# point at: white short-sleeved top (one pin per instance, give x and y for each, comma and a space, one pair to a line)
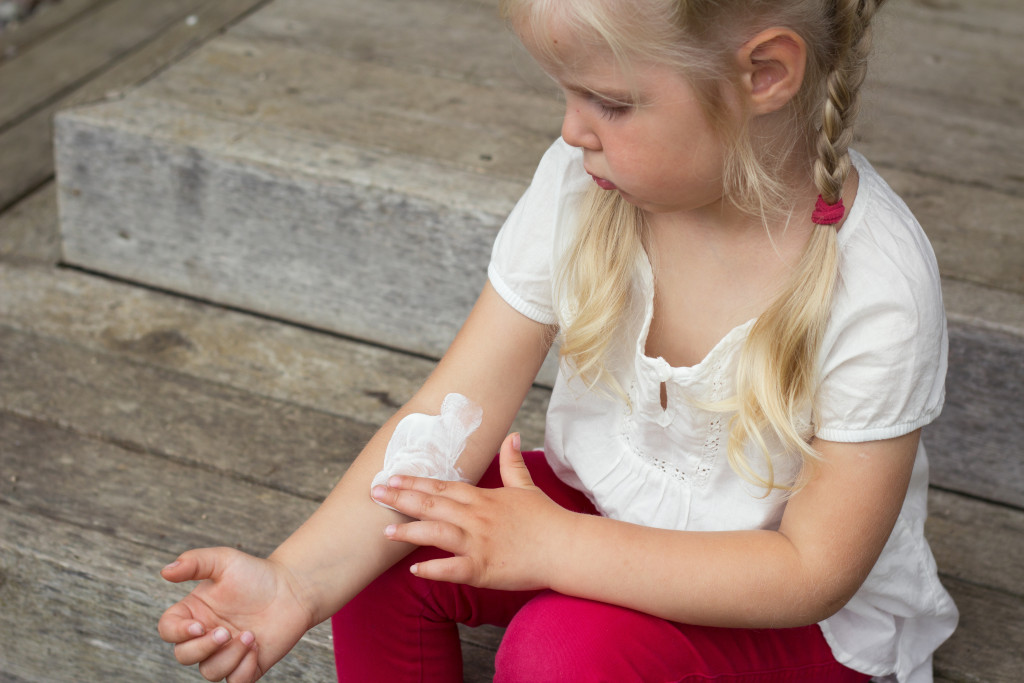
882, 369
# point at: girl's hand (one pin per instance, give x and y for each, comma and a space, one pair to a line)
504, 538
242, 618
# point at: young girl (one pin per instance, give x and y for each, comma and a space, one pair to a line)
733, 486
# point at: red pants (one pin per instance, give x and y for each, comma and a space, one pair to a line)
402, 628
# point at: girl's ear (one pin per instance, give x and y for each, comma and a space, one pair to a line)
772, 65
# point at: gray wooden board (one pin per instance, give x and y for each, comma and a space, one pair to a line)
29, 231
26, 148
48, 18
338, 256
94, 462
147, 409
987, 646
291, 364
976, 444
72, 54
977, 542
154, 505
81, 605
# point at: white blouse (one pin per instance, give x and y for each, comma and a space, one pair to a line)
882, 364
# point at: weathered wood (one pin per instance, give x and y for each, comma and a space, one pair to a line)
283, 446
298, 366
47, 18
70, 55
79, 605
987, 645
26, 148
156, 505
975, 445
148, 499
30, 231
977, 542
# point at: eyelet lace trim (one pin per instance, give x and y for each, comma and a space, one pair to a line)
660, 464
713, 442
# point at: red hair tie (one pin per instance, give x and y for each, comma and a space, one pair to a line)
828, 214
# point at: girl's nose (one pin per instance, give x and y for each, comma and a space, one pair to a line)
576, 130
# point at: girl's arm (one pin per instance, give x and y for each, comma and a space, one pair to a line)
493, 361
831, 534
248, 613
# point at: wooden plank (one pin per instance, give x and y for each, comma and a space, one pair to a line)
79, 605
283, 362
963, 60
70, 55
29, 231
149, 409
26, 148
148, 499
987, 645
975, 445
48, 18
977, 542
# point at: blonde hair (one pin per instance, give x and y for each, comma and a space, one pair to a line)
776, 378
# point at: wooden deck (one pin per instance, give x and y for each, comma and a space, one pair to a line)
135, 423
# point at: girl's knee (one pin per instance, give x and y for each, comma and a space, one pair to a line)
559, 638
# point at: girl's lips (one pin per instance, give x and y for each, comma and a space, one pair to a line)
602, 183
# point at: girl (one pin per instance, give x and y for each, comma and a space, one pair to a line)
752, 336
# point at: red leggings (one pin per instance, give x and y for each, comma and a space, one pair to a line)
403, 629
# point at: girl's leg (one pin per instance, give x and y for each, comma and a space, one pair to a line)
403, 628
558, 638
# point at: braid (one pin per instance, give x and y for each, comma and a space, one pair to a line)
852, 36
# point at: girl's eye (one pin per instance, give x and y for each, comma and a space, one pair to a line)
611, 109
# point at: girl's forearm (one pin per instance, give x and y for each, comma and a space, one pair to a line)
742, 579
340, 549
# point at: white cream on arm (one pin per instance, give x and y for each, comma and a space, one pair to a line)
430, 445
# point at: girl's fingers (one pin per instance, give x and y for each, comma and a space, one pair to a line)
436, 534
195, 565
458, 491
226, 660
177, 624
248, 669
415, 503
451, 569
202, 648
514, 472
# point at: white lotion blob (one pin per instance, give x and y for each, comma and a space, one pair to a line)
430, 445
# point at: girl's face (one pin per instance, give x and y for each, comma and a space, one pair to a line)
643, 133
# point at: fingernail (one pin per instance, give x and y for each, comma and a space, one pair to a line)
378, 492
414, 569
247, 638
196, 629
516, 441
221, 635
389, 530
395, 482
172, 565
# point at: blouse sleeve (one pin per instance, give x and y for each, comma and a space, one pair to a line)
527, 246
885, 349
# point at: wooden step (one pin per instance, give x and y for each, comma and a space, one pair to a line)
304, 167
345, 165
135, 424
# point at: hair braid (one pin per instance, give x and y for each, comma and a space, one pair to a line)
852, 38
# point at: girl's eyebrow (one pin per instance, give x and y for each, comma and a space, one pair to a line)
611, 95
